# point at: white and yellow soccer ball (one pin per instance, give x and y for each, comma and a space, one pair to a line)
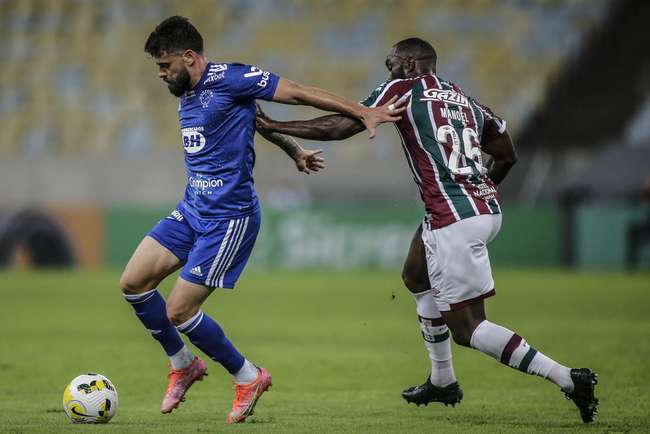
90, 398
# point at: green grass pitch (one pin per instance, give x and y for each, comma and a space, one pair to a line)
340, 346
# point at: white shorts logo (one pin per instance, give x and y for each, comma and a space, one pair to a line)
193, 139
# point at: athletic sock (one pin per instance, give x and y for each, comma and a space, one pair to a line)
205, 333
181, 359
436, 339
511, 349
247, 374
150, 308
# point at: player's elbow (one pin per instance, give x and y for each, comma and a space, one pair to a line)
338, 127
510, 154
510, 159
300, 95
506, 157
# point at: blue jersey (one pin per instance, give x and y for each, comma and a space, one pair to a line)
217, 121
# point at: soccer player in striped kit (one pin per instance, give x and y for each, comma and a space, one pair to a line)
444, 132
210, 234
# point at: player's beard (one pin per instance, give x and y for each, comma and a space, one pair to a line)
181, 85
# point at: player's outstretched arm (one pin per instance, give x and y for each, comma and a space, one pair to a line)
306, 160
326, 128
503, 153
289, 92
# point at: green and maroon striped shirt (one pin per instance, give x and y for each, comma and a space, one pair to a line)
442, 130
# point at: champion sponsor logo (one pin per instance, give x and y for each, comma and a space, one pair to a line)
215, 73
193, 139
446, 96
175, 215
205, 98
203, 184
196, 271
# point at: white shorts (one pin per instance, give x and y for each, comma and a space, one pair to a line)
457, 260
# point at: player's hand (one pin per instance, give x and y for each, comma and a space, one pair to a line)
310, 161
263, 123
389, 112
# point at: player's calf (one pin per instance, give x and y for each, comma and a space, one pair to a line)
150, 309
441, 386
512, 350
435, 335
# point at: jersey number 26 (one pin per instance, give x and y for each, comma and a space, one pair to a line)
469, 150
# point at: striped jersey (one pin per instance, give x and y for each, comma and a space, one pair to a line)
442, 130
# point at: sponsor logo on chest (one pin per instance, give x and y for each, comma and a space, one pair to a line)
445, 96
193, 139
204, 185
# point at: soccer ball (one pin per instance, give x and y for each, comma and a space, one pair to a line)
90, 398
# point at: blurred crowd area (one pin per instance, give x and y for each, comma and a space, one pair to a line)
91, 156
75, 80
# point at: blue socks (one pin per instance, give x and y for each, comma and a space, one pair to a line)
151, 310
206, 334
202, 330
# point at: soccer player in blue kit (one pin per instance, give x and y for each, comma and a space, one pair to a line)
212, 231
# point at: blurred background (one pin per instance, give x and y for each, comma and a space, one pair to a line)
91, 158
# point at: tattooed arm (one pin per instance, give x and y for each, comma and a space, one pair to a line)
306, 160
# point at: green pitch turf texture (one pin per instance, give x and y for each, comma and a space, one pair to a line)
340, 346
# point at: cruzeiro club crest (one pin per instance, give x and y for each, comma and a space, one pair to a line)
205, 98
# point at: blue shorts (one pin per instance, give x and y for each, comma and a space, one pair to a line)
214, 252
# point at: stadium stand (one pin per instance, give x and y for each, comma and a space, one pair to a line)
81, 107
77, 82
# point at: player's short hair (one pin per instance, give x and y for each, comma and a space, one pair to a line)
173, 35
417, 48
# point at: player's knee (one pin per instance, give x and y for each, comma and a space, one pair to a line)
462, 333
461, 336
179, 314
127, 285
413, 283
131, 285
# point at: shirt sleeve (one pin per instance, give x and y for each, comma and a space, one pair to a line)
384, 93
493, 125
251, 82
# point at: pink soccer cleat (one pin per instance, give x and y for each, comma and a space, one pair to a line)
246, 396
180, 380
